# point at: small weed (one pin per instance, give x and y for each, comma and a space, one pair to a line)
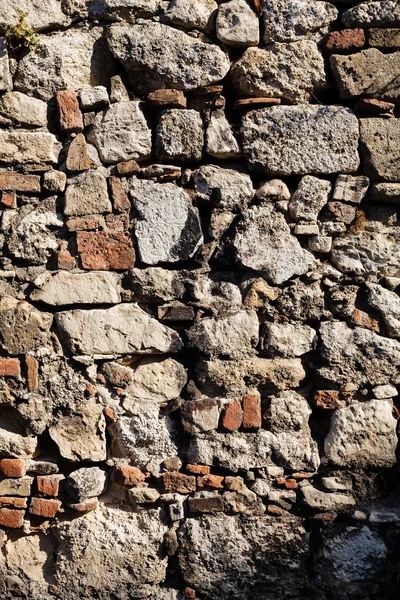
21, 35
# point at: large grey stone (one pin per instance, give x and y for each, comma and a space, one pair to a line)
300, 140
226, 189
293, 71
368, 252
388, 304
73, 59
146, 378
385, 13
237, 24
119, 10
288, 339
5, 75
23, 328
42, 14
325, 501
88, 195
122, 329
264, 243
380, 148
66, 288
179, 135
168, 227
289, 20
85, 483
121, 133
20, 109
363, 435
191, 14
20, 147
157, 56
15, 444
309, 199
369, 73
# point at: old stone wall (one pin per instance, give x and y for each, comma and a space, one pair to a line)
199, 299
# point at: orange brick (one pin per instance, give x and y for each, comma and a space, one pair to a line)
251, 412
13, 502
198, 469
32, 373
69, 113
129, 476
44, 508
232, 417
210, 481
48, 485
11, 518
16, 182
9, 199
10, 367
12, 467
178, 482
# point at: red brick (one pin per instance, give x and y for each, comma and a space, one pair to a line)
86, 505
331, 399
166, 97
251, 412
198, 469
48, 485
214, 482
344, 42
189, 593
119, 196
11, 518
178, 482
233, 416
13, 502
9, 199
253, 103
15, 182
10, 367
370, 107
118, 222
12, 467
43, 507
77, 156
129, 476
69, 113
363, 319
32, 373
91, 223
105, 251
127, 168
65, 260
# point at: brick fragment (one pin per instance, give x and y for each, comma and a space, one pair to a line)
189, 593
105, 251
363, 319
128, 476
118, 222
10, 367
331, 399
49, 485
32, 373
127, 168
11, 518
43, 507
175, 313
370, 107
214, 482
119, 196
85, 506
198, 469
178, 482
16, 182
77, 156
253, 103
340, 212
344, 42
210, 504
12, 467
166, 97
251, 412
233, 416
88, 223
64, 258
13, 502
9, 199
69, 113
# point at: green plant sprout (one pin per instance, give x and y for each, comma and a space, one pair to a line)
21, 35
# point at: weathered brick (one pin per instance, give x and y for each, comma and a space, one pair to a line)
13, 502
8, 199
331, 399
341, 213
251, 412
178, 482
166, 97
233, 416
119, 196
10, 367
77, 156
44, 508
16, 182
32, 373
85, 506
363, 319
89, 223
214, 482
49, 485
189, 593
11, 518
104, 251
12, 467
127, 168
344, 42
129, 476
69, 113
65, 260
198, 469
210, 504
370, 107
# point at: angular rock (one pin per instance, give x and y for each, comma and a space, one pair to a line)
234, 337
264, 243
167, 98
288, 140
385, 192
41, 15
105, 250
289, 20
309, 199
157, 56
344, 42
156, 284
384, 13
16, 487
191, 14
388, 304
350, 189
287, 339
168, 228
80, 435
77, 157
5, 75
65, 288
143, 496
367, 253
362, 435
14, 444
94, 99
87, 196
237, 24
293, 71
220, 140
384, 39
226, 189
69, 114
85, 483
356, 357
23, 328
54, 181
21, 147
19, 109
179, 135
380, 149
368, 73
122, 329
146, 378
72, 59
323, 501
121, 133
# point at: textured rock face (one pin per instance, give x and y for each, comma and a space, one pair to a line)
311, 140
380, 149
72, 288
28, 147
289, 20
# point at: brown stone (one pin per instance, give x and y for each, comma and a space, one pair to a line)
32, 373
12, 467
64, 258
85, 506
77, 156
253, 103
206, 103
128, 476
173, 313
10, 367
208, 90
339, 212
210, 504
13, 502
189, 593
363, 319
9, 199
344, 42
11, 518
69, 113
118, 222
90, 223
119, 196
170, 98
384, 39
233, 416
16, 182
44, 508
325, 517
331, 399
105, 251
257, 5
109, 413
275, 510
369, 107
251, 412
198, 469
128, 168
178, 482
48, 485
214, 482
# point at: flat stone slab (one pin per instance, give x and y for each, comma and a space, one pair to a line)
380, 148
300, 140
21, 146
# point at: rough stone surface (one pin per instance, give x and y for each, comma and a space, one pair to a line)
22, 146
87, 196
191, 14
179, 136
237, 24
381, 13
380, 149
65, 288
22, 110
226, 189
310, 198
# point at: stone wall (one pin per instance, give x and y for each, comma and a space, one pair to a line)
199, 300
